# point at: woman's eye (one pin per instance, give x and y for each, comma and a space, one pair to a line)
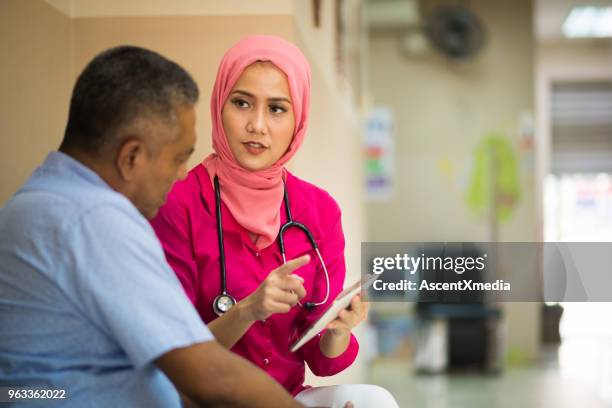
277, 109
241, 103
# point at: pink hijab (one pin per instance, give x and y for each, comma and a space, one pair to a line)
254, 197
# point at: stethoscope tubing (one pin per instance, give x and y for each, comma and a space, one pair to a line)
220, 237
290, 223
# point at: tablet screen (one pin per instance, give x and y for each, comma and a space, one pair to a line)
342, 301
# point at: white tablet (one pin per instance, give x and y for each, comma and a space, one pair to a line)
342, 301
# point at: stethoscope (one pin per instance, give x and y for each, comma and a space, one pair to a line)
224, 301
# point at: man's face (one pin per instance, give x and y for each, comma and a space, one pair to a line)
167, 164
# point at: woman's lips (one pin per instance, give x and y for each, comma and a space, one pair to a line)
254, 148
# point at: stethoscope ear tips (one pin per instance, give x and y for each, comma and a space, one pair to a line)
310, 306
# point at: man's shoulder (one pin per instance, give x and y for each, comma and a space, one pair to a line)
63, 204
62, 213
62, 184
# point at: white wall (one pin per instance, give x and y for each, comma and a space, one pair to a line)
578, 60
443, 110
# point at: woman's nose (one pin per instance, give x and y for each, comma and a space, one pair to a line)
257, 121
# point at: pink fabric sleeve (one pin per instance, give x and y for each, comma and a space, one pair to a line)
172, 226
332, 251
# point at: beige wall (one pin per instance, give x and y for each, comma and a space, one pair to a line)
35, 78
319, 40
442, 112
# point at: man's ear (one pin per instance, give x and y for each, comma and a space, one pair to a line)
131, 156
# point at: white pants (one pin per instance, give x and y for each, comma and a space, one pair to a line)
336, 396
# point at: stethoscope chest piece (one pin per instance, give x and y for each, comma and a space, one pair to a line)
223, 303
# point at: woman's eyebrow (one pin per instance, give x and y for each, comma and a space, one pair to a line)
280, 99
250, 95
245, 93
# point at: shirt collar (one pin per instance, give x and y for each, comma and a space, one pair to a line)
64, 164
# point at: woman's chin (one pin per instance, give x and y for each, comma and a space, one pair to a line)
254, 165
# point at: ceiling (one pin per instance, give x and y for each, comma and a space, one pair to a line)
122, 8
550, 15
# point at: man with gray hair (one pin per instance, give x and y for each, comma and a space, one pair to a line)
90, 312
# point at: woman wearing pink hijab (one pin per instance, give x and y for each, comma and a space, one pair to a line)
220, 229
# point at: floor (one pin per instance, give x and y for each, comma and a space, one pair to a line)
545, 384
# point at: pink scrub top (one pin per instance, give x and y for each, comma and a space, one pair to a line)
186, 226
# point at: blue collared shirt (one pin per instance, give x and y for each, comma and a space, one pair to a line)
87, 300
